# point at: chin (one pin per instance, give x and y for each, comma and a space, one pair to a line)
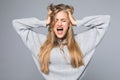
60, 37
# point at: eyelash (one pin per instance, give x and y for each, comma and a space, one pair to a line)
62, 21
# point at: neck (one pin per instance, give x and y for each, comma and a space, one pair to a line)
62, 41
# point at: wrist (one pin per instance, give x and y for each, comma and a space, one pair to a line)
48, 20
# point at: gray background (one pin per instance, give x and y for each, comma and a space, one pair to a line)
16, 62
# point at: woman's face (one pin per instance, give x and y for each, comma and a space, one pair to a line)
61, 24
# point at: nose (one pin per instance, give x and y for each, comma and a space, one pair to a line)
59, 23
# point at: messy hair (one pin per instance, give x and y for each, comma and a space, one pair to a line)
51, 41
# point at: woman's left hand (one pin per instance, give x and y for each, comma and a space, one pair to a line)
73, 21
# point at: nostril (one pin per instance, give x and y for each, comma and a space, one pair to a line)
59, 24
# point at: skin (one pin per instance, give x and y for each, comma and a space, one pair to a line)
62, 20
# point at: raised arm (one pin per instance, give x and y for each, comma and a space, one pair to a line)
90, 38
48, 17
24, 28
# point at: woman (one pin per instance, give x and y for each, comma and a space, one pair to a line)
61, 55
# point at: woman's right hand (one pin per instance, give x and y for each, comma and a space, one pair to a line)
48, 17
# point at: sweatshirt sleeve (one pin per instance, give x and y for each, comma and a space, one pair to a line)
24, 27
90, 38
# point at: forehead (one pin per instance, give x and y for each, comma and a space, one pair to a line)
61, 15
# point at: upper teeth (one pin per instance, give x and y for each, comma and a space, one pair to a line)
59, 28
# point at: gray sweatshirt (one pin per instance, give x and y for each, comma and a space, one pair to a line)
61, 69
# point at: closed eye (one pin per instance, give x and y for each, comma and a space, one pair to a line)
64, 21
56, 20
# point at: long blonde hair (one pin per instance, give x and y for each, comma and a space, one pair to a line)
51, 42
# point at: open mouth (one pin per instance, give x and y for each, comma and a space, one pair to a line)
60, 30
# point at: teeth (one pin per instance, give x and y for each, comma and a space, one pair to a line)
59, 29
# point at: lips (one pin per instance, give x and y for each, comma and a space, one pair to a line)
59, 30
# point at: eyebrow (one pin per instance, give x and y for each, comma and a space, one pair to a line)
61, 19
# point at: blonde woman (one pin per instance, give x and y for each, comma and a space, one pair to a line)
61, 55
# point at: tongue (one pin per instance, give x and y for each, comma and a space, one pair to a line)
60, 32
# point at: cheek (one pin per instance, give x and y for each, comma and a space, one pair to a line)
54, 28
66, 26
